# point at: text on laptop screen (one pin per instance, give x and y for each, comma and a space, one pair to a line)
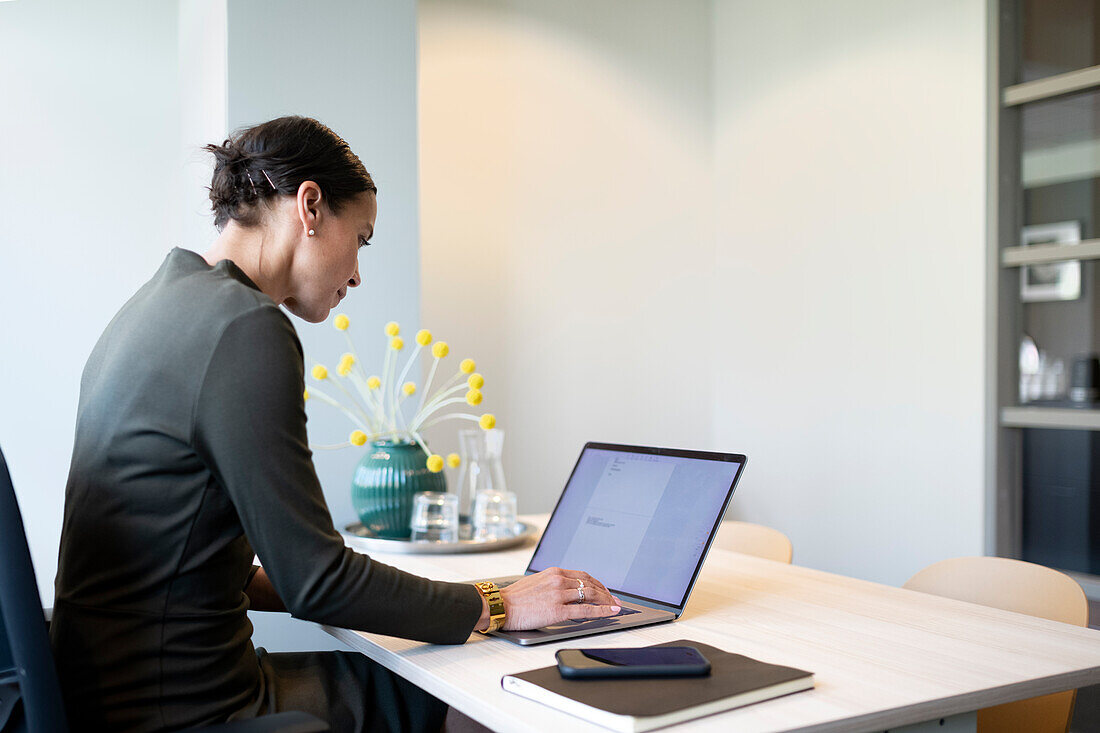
636, 522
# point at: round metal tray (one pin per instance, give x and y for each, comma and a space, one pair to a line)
363, 538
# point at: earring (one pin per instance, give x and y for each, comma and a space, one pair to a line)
311, 232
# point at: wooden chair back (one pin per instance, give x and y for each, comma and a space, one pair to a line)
754, 539
1022, 587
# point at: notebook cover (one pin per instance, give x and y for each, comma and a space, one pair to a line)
731, 674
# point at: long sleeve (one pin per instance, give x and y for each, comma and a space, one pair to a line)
250, 429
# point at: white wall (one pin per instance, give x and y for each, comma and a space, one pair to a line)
203, 83
89, 180
352, 65
358, 77
565, 182
101, 173
737, 225
849, 150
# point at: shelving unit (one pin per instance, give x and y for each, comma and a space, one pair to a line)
1044, 100
1050, 417
1051, 86
1040, 254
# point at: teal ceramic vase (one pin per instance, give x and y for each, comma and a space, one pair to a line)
384, 483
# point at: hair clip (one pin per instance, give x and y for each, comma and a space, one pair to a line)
273, 186
250, 181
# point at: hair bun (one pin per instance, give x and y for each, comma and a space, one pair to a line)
230, 187
274, 158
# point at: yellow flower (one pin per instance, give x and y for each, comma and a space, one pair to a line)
373, 382
453, 460
423, 337
435, 463
392, 329
305, 395
344, 367
487, 421
441, 349
319, 372
408, 388
341, 322
397, 343
357, 437
476, 381
473, 397
468, 366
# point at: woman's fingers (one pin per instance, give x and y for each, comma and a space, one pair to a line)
553, 596
587, 610
589, 594
587, 588
591, 582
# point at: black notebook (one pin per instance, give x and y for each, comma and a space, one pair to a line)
644, 704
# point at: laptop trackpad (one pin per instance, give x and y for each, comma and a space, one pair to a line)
574, 624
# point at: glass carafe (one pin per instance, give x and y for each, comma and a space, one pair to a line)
482, 469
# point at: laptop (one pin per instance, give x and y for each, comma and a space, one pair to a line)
640, 520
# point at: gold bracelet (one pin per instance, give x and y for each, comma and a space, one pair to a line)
491, 594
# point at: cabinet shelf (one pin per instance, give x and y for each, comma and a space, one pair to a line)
1064, 418
1038, 254
1051, 86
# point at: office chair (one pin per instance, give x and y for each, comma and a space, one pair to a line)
754, 539
30, 694
1022, 587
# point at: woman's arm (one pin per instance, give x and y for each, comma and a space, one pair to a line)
250, 429
261, 594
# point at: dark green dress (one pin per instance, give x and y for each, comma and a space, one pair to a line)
190, 456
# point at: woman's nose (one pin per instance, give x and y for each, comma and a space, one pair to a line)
355, 279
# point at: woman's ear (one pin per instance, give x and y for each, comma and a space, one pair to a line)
309, 207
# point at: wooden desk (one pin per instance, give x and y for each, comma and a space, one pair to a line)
883, 657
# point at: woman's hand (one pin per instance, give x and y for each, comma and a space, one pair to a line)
552, 596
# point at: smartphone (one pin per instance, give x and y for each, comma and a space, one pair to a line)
662, 661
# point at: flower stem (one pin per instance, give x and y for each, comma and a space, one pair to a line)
454, 416
333, 446
438, 406
355, 403
420, 442
400, 414
329, 401
404, 372
367, 393
384, 388
433, 403
428, 384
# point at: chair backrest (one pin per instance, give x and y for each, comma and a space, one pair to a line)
754, 539
25, 656
1022, 587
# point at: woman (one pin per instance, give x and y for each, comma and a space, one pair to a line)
191, 456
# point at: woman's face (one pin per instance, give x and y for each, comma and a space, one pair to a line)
326, 264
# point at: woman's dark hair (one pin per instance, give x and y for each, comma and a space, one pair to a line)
258, 163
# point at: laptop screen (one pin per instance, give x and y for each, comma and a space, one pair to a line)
637, 519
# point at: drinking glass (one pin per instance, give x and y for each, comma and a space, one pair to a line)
434, 517
494, 515
482, 468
